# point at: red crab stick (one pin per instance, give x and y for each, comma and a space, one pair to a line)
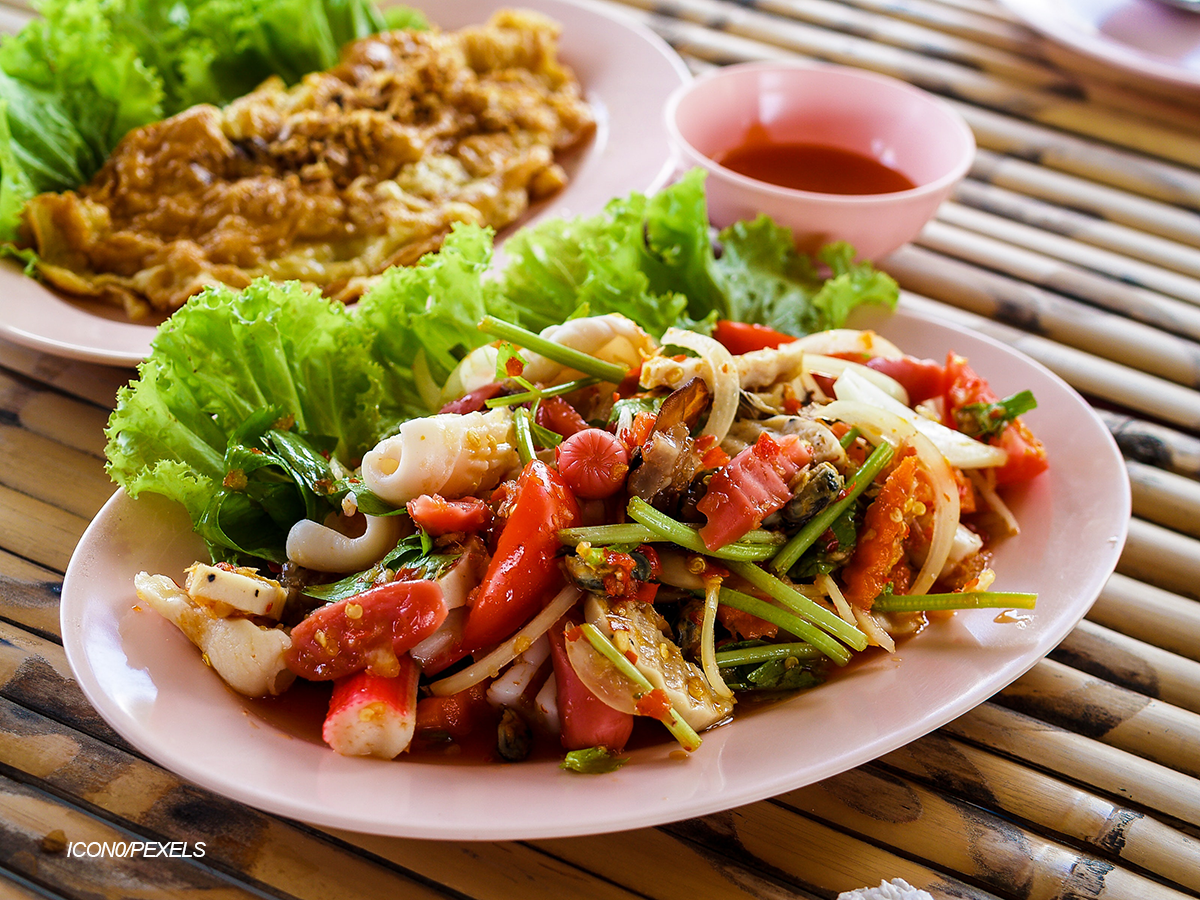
373, 715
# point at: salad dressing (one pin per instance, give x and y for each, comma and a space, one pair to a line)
813, 167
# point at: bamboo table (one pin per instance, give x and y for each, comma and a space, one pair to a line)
1076, 238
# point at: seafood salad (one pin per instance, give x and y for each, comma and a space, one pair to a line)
601, 527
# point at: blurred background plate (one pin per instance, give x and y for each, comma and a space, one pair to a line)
1150, 37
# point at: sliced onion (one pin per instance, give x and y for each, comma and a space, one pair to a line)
880, 425
708, 639
475, 370
849, 340
960, 450
832, 365
840, 603
719, 372
490, 665
601, 677
874, 631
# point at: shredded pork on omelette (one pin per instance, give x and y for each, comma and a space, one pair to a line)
355, 169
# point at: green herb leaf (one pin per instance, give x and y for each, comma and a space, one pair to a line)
592, 761
984, 420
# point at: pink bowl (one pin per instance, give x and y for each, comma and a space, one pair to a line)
899, 125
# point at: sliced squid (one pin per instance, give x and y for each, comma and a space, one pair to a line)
324, 549
449, 454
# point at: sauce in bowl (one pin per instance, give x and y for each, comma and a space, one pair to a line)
818, 168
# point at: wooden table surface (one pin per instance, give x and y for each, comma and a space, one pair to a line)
1076, 238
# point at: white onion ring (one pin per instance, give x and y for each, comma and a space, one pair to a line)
719, 371
708, 639
835, 366
879, 425
849, 340
601, 677
490, 665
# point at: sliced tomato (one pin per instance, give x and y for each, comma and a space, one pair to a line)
560, 416
456, 715
1026, 454
345, 637
752, 486
922, 378
523, 575
744, 337
439, 516
584, 719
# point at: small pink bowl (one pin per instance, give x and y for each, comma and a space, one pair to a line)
901, 126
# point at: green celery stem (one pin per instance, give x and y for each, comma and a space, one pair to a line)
817, 525
788, 621
529, 396
751, 655
786, 594
960, 600
525, 448
689, 538
575, 359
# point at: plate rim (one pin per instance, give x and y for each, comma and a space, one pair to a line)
75, 644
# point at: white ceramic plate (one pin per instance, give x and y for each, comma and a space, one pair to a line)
627, 73
1149, 37
150, 684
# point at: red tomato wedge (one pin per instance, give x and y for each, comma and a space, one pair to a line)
439, 516
744, 337
523, 575
922, 378
1026, 454
455, 715
344, 637
584, 719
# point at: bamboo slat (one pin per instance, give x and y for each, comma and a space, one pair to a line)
259, 849
626, 863
815, 856
1161, 557
1137, 283
27, 816
991, 850
1003, 298
52, 473
52, 415
1107, 769
29, 594
980, 26
52, 543
1154, 730
1132, 664
1084, 195
1054, 806
991, 250
1149, 614
86, 381
1045, 107
1045, 218
1165, 498
1154, 444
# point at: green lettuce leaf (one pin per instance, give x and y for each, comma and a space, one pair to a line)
76, 80
653, 259
224, 358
